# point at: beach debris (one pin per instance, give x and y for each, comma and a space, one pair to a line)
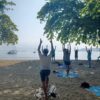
52, 93
85, 85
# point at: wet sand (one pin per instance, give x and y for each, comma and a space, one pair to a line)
19, 79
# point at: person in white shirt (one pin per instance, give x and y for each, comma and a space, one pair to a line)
45, 62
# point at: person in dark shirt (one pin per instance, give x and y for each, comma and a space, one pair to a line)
76, 53
66, 58
89, 52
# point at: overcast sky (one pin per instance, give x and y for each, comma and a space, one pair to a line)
24, 16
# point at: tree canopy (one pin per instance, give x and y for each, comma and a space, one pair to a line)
7, 27
68, 21
92, 10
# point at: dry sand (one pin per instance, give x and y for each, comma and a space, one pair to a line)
19, 79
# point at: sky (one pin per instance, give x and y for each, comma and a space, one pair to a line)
24, 16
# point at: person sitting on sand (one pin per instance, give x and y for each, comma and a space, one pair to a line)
66, 58
45, 61
89, 51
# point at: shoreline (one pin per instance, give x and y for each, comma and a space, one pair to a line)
11, 62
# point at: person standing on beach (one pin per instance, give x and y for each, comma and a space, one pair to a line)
45, 61
53, 54
89, 51
76, 53
66, 57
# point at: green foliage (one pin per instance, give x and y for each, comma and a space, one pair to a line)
63, 21
3, 4
91, 14
92, 8
7, 27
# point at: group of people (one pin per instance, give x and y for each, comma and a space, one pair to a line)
46, 59
89, 52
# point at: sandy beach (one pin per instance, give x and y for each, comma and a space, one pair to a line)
19, 79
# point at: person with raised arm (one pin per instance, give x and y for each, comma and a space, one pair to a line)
89, 52
66, 57
45, 62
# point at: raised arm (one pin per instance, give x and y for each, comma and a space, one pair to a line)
42, 48
39, 47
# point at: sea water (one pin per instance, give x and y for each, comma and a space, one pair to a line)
26, 52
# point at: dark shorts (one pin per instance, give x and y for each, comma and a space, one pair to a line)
67, 62
44, 74
53, 55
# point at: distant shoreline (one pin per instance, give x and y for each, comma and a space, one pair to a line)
12, 62
36, 60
